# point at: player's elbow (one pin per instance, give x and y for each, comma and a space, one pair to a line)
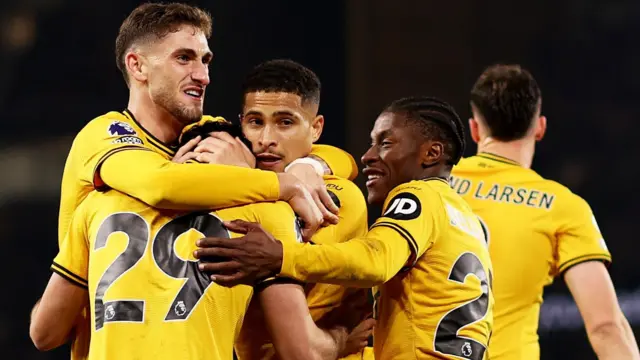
607, 328
44, 337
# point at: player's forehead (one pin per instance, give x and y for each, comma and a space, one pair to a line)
386, 124
183, 37
268, 103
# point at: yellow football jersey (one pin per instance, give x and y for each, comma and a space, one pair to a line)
148, 299
440, 305
536, 229
254, 342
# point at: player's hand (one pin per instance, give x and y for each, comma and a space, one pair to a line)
246, 259
301, 200
316, 186
185, 152
358, 339
221, 148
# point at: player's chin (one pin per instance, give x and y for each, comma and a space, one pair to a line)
375, 194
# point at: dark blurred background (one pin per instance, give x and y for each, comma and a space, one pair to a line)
57, 72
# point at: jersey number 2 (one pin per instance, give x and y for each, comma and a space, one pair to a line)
137, 230
447, 340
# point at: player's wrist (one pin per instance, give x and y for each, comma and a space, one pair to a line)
290, 186
314, 162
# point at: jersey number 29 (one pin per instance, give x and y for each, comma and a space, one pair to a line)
162, 249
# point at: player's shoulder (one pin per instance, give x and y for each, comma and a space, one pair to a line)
422, 188
408, 200
564, 197
111, 123
344, 191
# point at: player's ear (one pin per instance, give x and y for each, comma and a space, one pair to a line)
317, 125
431, 152
541, 128
475, 130
136, 66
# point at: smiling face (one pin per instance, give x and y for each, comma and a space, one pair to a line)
175, 70
281, 127
395, 156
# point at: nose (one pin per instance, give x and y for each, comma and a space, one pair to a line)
370, 156
201, 74
267, 138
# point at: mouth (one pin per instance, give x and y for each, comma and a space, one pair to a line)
268, 160
195, 92
373, 175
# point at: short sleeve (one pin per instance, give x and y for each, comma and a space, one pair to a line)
578, 237
72, 261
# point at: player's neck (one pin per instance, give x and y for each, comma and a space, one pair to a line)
520, 151
157, 121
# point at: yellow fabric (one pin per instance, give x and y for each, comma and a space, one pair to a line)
255, 342
440, 306
132, 172
125, 250
537, 229
339, 161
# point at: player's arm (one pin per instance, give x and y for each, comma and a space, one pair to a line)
395, 241
361, 262
55, 315
292, 329
335, 161
582, 255
608, 330
284, 304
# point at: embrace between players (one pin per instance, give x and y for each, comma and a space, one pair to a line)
146, 269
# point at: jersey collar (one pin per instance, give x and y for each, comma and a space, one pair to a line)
498, 158
170, 150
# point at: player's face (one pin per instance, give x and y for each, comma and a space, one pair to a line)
393, 158
179, 73
280, 126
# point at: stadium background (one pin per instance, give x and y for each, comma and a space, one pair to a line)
58, 71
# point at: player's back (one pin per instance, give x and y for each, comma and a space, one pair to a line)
440, 305
536, 229
147, 296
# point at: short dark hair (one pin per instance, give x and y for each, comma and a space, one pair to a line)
436, 120
283, 75
155, 21
203, 129
507, 97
